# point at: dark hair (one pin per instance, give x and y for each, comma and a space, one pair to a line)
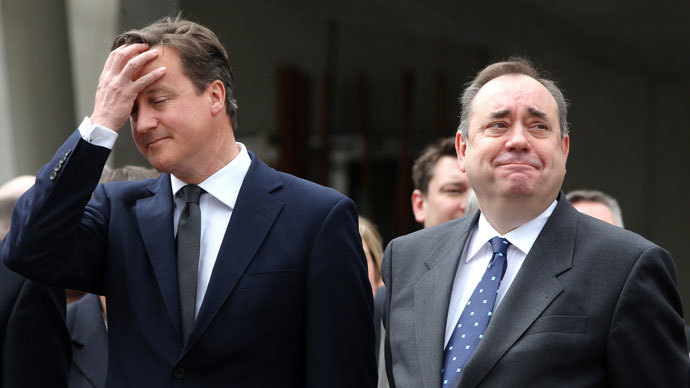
514, 65
202, 56
423, 167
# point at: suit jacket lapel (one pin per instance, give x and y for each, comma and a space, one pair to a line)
89, 333
432, 297
254, 213
534, 288
155, 217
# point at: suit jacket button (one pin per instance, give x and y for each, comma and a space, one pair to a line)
53, 175
178, 373
57, 167
69, 151
63, 159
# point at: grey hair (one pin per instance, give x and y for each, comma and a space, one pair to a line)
514, 65
599, 197
472, 205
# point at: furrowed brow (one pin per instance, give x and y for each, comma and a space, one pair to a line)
499, 114
537, 113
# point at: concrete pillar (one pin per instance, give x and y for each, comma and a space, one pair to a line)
7, 162
36, 84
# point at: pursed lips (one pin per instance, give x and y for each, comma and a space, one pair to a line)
149, 144
511, 161
516, 164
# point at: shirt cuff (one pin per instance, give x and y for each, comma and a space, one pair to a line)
97, 134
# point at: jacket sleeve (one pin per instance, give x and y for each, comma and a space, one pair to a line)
55, 238
386, 274
646, 346
339, 326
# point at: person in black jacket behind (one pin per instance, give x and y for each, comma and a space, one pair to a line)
34, 343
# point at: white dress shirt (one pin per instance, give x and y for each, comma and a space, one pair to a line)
477, 254
216, 205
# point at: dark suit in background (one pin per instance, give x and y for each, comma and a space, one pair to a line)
89, 343
34, 343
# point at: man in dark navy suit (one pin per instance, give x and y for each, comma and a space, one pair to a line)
222, 272
34, 343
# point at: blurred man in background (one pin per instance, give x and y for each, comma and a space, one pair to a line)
597, 204
441, 189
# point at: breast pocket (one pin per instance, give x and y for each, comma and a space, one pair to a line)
559, 324
272, 279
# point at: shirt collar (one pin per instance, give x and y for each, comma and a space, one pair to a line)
522, 237
225, 183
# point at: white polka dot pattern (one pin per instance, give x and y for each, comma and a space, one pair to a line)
475, 317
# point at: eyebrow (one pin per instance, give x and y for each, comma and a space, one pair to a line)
536, 112
454, 183
499, 114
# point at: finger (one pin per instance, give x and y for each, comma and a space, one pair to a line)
135, 64
119, 57
147, 79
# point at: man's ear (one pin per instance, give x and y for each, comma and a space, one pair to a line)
216, 93
565, 146
418, 206
461, 149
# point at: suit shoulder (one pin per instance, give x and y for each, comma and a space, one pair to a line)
71, 315
127, 189
600, 232
309, 191
446, 230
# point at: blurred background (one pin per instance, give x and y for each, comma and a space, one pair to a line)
347, 93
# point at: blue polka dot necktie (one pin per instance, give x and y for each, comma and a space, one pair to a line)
475, 316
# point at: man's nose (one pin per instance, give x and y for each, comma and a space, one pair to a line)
144, 120
517, 139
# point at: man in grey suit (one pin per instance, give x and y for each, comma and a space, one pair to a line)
528, 292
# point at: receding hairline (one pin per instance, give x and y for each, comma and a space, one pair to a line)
511, 66
532, 110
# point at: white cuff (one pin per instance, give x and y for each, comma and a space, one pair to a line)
97, 134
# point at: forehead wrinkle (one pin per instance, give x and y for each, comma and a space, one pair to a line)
499, 114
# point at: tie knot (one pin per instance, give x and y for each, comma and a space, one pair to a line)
190, 193
499, 245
